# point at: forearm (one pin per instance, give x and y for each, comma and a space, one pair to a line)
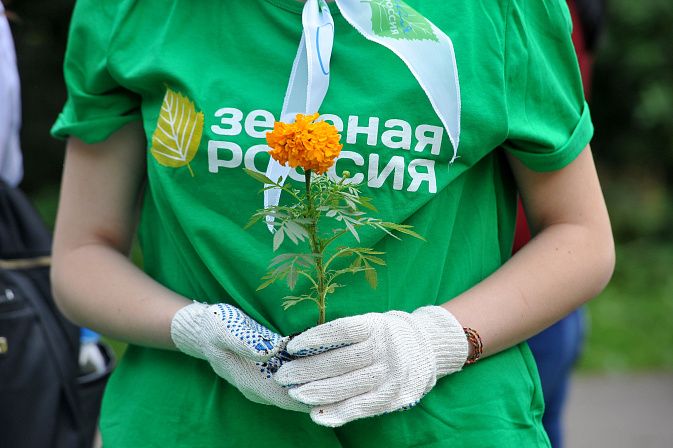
98, 287
569, 261
94, 282
559, 270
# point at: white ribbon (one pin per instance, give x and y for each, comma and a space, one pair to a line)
425, 49
308, 83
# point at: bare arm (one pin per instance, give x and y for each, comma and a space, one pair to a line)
94, 282
569, 261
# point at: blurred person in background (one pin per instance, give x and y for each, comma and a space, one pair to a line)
557, 348
11, 161
11, 158
31, 383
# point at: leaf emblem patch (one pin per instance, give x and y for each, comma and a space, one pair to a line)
178, 133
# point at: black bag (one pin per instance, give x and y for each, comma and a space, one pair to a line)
44, 402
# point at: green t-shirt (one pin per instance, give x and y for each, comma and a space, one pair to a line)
227, 64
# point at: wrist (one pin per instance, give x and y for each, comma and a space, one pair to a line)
446, 337
475, 346
186, 329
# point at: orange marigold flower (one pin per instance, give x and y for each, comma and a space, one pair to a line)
304, 143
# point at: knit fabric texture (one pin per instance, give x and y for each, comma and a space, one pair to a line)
385, 362
238, 348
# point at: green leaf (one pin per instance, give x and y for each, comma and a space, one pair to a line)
337, 234
346, 251
290, 234
282, 258
371, 276
375, 260
280, 271
253, 220
302, 221
291, 301
348, 270
366, 203
377, 224
292, 277
332, 287
273, 211
370, 251
352, 230
295, 231
259, 177
266, 283
307, 260
283, 261
278, 238
403, 228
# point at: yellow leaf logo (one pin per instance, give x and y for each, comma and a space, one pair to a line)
178, 134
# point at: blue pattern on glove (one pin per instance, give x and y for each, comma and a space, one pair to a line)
318, 350
408, 406
250, 332
272, 365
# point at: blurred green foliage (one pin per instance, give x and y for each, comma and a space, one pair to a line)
40, 32
630, 325
632, 107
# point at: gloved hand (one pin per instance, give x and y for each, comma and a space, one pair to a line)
374, 363
239, 349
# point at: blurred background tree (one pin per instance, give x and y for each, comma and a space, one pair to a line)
632, 108
633, 111
40, 29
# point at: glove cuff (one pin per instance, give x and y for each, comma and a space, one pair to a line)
447, 338
185, 329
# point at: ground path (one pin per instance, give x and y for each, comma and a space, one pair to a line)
620, 411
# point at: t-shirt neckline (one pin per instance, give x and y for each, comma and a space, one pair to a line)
297, 6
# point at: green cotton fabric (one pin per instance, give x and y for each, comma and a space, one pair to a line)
230, 61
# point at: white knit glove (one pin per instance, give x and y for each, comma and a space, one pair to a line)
373, 363
239, 349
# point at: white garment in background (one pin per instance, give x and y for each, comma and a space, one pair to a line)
11, 161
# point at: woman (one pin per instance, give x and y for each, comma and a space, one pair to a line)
524, 124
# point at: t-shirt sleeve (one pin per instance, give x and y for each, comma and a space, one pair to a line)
548, 119
97, 105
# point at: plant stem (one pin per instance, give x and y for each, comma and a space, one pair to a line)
316, 249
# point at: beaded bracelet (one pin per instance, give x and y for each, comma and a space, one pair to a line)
474, 340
